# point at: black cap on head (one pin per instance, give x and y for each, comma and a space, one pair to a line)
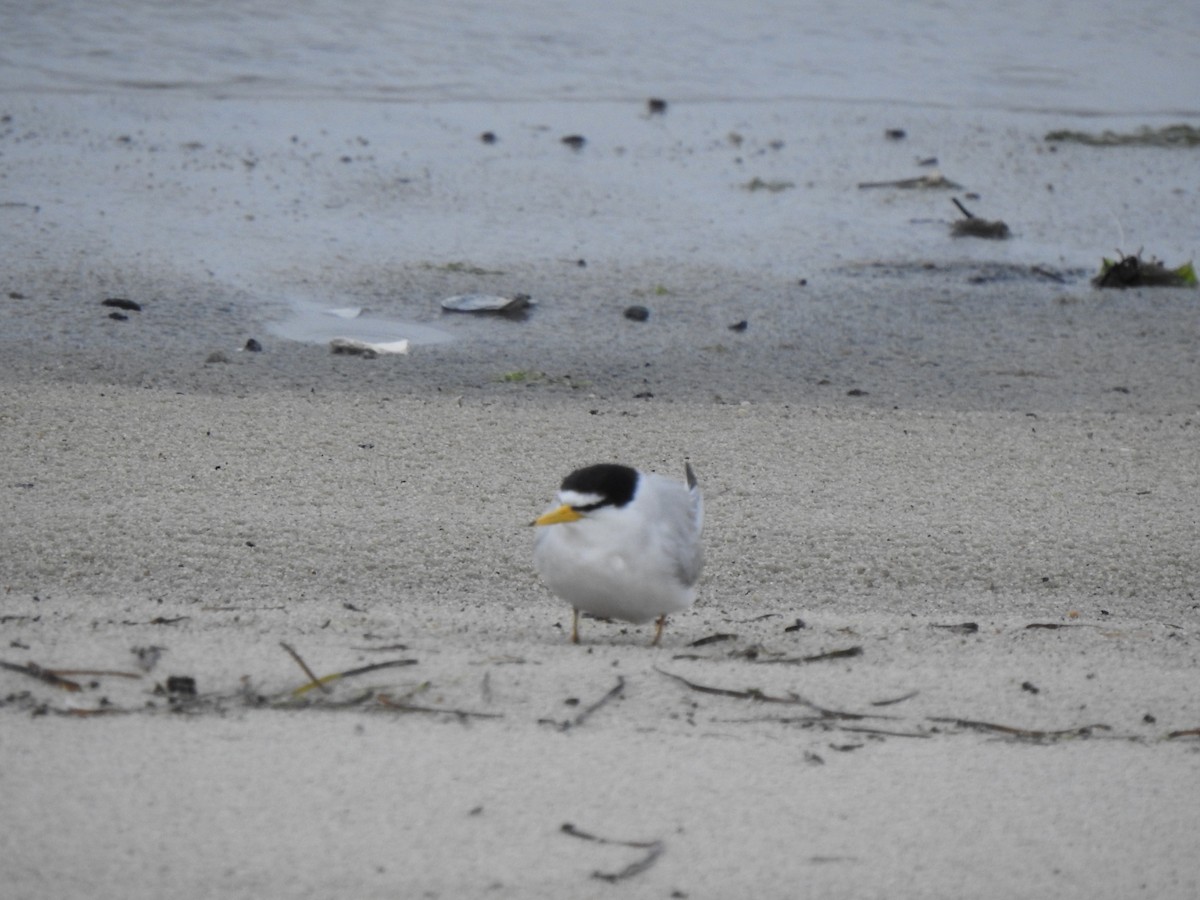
614, 483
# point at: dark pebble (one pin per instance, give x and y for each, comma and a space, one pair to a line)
739, 326
118, 317
656, 106
896, 134
184, 685
575, 141
253, 346
488, 137
637, 313
121, 303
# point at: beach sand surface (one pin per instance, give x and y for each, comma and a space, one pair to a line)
947, 643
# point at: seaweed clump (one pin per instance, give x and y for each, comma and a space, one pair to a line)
1133, 271
1168, 136
973, 226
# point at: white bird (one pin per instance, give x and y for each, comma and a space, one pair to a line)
622, 544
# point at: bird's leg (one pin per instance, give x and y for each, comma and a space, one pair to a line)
662, 620
574, 626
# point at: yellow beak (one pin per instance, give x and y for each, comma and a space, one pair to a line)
557, 516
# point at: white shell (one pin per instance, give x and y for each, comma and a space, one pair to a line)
474, 303
367, 348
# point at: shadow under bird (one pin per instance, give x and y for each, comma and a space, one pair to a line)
622, 544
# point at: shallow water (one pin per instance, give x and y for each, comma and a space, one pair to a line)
313, 324
1097, 56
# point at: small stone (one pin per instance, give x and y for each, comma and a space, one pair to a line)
637, 313
656, 106
575, 141
253, 346
181, 685
122, 303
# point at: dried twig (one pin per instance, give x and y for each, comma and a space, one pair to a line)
387, 702
1187, 732
325, 680
883, 732
756, 694
1024, 733
758, 618
932, 180
749, 694
893, 700
614, 692
960, 628
363, 670
33, 670
94, 673
1048, 273
713, 639
655, 850
382, 648
316, 682
295, 702
846, 653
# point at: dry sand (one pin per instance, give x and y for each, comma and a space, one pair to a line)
360, 528
887, 451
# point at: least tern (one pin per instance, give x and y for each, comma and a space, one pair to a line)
622, 544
